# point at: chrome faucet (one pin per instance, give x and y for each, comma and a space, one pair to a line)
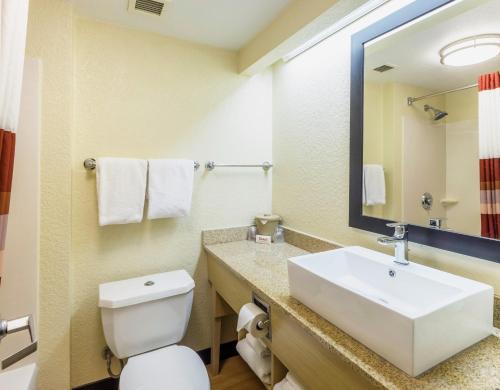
399, 240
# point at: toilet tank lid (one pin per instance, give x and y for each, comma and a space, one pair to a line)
147, 288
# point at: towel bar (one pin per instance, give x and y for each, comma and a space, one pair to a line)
91, 163
211, 165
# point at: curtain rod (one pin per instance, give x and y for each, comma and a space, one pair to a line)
412, 100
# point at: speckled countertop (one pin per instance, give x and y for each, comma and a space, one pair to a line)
264, 268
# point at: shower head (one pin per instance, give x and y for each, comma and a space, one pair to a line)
436, 113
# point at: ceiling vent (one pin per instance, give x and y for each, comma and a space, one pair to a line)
150, 7
383, 68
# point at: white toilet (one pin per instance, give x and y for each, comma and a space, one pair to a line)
142, 319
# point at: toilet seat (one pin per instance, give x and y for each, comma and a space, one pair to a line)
174, 367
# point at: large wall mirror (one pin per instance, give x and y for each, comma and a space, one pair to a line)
425, 125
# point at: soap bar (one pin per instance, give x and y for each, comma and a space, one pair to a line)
262, 239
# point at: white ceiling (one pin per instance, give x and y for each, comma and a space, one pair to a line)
227, 24
414, 51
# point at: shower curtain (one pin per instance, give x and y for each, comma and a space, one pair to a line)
13, 26
489, 153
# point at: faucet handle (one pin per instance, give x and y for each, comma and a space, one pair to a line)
396, 224
18, 325
400, 229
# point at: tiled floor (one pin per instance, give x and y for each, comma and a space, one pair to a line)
235, 374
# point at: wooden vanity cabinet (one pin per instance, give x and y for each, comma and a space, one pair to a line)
292, 347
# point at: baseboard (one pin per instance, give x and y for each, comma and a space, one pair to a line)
103, 384
227, 350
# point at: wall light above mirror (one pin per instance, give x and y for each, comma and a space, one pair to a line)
424, 124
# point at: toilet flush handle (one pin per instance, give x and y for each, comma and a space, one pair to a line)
17, 325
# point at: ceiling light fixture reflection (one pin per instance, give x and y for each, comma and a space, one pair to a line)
471, 50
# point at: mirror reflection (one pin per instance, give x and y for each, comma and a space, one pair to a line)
431, 137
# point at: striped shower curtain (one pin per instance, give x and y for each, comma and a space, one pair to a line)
13, 25
489, 153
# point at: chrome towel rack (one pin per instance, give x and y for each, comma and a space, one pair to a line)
91, 163
211, 165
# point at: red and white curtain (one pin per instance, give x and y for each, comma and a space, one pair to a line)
489, 153
13, 26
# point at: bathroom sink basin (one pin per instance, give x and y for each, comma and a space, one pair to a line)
412, 315
22, 378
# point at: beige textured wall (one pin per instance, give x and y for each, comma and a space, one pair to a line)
373, 139
142, 95
311, 152
373, 145
50, 39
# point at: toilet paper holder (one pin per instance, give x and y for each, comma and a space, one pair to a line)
265, 324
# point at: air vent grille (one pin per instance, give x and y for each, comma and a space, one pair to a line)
383, 68
150, 6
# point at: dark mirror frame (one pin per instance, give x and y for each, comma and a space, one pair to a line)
476, 246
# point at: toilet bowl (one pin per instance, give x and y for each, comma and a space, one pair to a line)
143, 319
174, 367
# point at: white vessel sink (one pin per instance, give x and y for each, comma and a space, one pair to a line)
22, 378
413, 316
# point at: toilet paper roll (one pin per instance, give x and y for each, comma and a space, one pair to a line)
248, 318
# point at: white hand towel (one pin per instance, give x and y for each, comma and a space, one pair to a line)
373, 185
258, 346
294, 383
170, 188
121, 189
260, 366
283, 385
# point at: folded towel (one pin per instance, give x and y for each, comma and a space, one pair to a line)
283, 385
258, 346
373, 185
294, 383
170, 188
121, 189
260, 366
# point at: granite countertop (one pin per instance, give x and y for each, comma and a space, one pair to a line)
264, 268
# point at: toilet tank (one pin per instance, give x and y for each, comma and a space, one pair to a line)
145, 313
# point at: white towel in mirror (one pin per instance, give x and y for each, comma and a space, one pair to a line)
373, 185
